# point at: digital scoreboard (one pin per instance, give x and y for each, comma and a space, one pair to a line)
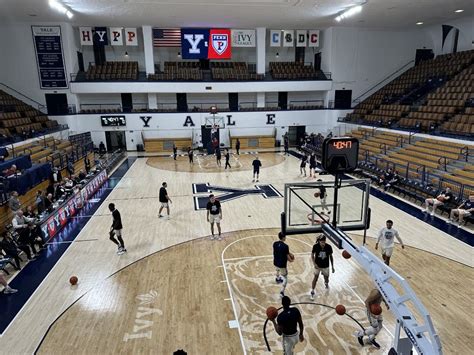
118, 120
340, 154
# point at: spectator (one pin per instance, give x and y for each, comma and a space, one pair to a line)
392, 181
14, 202
82, 175
70, 167
444, 197
48, 202
466, 209
30, 212
102, 149
7, 289
28, 237
87, 164
20, 221
56, 177
11, 171
12, 250
39, 201
50, 189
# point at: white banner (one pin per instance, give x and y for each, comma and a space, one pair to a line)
243, 38
301, 38
116, 37
131, 37
85, 34
275, 38
288, 38
313, 38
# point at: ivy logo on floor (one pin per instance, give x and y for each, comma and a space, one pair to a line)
229, 193
144, 317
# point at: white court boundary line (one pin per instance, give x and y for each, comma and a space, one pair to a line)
265, 256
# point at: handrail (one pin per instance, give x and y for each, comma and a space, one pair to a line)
383, 80
40, 105
383, 146
400, 140
465, 151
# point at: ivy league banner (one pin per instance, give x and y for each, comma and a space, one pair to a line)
49, 57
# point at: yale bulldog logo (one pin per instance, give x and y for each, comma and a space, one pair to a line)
220, 42
229, 193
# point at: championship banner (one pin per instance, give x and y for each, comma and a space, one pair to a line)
194, 43
313, 38
288, 38
220, 44
85, 34
100, 36
116, 38
275, 38
301, 38
243, 38
49, 57
131, 38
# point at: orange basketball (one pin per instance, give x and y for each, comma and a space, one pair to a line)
272, 312
376, 309
73, 280
291, 258
346, 255
340, 309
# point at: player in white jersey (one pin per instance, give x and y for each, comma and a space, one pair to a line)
386, 239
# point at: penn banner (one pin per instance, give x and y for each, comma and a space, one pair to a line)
243, 38
131, 38
49, 57
194, 43
288, 38
301, 38
220, 46
313, 38
275, 38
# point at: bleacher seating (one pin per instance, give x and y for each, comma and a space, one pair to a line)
186, 71
112, 71
19, 119
293, 70
233, 71
444, 103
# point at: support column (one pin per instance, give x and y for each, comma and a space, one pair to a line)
260, 99
152, 101
261, 46
148, 49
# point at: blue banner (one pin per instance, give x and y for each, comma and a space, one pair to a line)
49, 57
194, 43
100, 36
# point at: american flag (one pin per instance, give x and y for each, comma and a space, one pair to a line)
167, 37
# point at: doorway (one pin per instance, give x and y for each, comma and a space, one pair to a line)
283, 100
56, 104
342, 99
295, 133
115, 140
127, 102
207, 136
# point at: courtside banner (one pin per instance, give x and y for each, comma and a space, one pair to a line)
194, 43
220, 46
243, 38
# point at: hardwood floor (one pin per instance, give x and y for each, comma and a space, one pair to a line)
187, 274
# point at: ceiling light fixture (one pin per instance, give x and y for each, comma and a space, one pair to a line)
459, 10
56, 5
419, 23
348, 13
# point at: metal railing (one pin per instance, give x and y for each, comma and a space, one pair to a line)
465, 152
39, 106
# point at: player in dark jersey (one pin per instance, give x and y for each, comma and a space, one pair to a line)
227, 158
322, 196
218, 156
281, 253
116, 229
321, 256
237, 146
175, 151
312, 165
214, 215
285, 325
191, 156
304, 159
256, 168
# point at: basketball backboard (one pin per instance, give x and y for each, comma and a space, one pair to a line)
306, 212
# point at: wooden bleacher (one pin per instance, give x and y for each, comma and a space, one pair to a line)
252, 142
157, 145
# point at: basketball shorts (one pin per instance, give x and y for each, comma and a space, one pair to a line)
464, 213
283, 271
324, 271
256, 171
376, 322
164, 204
214, 218
387, 251
118, 232
312, 166
289, 342
303, 165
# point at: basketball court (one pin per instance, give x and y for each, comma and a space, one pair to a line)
175, 288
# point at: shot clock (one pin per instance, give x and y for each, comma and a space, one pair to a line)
340, 154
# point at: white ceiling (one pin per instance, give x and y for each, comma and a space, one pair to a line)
274, 14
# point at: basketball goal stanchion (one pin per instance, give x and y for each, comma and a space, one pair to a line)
339, 156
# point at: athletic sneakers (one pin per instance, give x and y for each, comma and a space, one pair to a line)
212, 237
361, 340
121, 251
160, 216
374, 343
311, 295
327, 285
282, 294
278, 280
432, 213
257, 180
219, 237
8, 290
